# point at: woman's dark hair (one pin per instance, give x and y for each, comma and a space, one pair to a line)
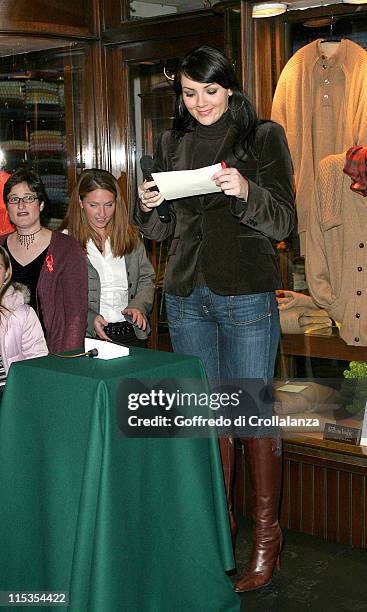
209, 65
33, 180
122, 234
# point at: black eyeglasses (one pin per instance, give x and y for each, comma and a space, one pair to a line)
27, 199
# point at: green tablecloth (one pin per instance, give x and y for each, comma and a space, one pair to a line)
122, 524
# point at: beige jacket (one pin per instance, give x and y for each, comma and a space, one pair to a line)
336, 250
292, 108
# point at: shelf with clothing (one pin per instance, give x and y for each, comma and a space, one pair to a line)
44, 115
33, 132
329, 45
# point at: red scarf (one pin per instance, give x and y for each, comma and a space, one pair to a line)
356, 168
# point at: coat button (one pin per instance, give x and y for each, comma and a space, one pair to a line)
357, 315
361, 245
359, 268
356, 339
131, 296
359, 292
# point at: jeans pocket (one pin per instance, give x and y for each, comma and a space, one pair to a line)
249, 309
174, 308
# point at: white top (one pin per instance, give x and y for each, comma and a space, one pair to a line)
113, 278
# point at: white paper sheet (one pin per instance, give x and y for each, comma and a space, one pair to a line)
106, 350
292, 388
186, 183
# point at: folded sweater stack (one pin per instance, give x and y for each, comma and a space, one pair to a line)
300, 315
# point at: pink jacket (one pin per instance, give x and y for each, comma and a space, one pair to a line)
21, 335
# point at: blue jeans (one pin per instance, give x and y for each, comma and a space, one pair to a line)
235, 336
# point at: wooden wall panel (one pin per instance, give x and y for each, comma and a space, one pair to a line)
284, 507
294, 496
262, 42
263, 67
69, 121
62, 17
323, 493
358, 510
116, 30
119, 115
344, 508
307, 498
248, 51
99, 127
113, 13
318, 502
332, 500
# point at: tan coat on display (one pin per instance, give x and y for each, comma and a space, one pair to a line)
293, 108
336, 253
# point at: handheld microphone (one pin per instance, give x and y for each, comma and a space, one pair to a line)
147, 167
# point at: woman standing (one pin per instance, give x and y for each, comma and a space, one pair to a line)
120, 276
50, 264
223, 265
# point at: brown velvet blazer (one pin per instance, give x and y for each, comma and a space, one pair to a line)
235, 239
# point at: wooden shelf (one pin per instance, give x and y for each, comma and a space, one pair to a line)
313, 445
327, 347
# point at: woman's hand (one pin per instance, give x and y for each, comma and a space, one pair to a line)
99, 325
149, 199
231, 182
137, 317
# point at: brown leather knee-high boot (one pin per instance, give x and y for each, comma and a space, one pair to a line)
264, 462
227, 451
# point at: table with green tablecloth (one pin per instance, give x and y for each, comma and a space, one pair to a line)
135, 524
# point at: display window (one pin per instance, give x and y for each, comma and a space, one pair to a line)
42, 115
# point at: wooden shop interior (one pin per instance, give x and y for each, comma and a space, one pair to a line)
87, 83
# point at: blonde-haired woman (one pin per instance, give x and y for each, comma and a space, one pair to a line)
120, 276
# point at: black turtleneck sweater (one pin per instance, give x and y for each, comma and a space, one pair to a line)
209, 149
209, 141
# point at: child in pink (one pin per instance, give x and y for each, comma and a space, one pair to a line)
21, 334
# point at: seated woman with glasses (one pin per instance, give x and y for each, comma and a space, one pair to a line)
50, 264
120, 276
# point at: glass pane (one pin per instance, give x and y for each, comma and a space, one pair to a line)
40, 110
153, 103
144, 10
233, 38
